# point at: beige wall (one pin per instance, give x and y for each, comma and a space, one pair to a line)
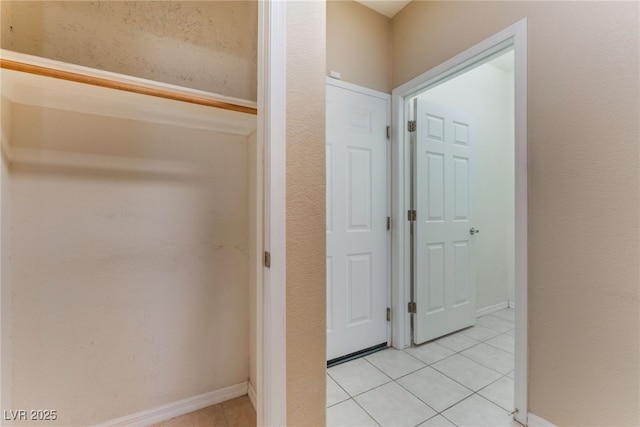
358, 45
306, 285
207, 45
583, 133
5, 242
130, 285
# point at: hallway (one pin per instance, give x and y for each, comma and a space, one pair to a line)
462, 379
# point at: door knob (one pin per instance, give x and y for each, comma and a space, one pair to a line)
473, 231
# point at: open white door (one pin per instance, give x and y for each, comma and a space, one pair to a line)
357, 209
444, 270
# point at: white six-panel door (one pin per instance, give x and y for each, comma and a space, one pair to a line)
357, 209
444, 272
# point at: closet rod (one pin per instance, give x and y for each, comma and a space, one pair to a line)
128, 87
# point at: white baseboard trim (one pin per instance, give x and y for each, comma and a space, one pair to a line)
181, 407
536, 421
492, 308
253, 397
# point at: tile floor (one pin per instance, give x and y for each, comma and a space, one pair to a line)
237, 412
463, 379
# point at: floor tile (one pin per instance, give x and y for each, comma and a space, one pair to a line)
491, 322
430, 352
457, 342
467, 372
491, 357
506, 314
500, 393
437, 421
394, 363
480, 333
347, 414
392, 405
478, 412
335, 394
357, 376
503, 342
435, 389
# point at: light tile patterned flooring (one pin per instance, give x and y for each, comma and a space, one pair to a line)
463, 379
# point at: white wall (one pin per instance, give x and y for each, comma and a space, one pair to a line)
130, 284
486, 92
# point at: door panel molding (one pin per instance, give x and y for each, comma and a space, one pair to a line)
358, 242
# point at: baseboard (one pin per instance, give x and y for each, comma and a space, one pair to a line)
492, 308
536, 421
251, 392
181, 407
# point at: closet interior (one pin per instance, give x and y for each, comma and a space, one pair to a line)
128, 236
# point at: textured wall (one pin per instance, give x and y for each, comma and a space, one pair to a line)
306, 282
129, 286
583, 133
5, 241
207, 45
358, 45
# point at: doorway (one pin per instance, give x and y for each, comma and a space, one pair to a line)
462, 361
463, 165
513, 37
358, 221
378, 385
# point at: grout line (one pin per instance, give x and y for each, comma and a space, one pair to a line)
482, 364
384, 373
341, 388
505, 333
366, 412
441, 413
493, 403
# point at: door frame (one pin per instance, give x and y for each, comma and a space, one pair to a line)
515, 36
387, 97
270, 284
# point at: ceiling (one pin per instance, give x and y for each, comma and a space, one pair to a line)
386, 7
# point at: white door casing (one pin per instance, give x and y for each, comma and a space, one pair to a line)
516, 36
444, 269
357, 210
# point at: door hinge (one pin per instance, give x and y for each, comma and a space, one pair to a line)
388, 132
388, 314
411, 125
411, 308
412, 215
388, 223
267, 259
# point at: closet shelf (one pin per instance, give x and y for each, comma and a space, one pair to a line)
42, 82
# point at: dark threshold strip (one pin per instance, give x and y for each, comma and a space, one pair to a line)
356, 355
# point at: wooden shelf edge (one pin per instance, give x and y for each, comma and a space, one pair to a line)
128, 87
